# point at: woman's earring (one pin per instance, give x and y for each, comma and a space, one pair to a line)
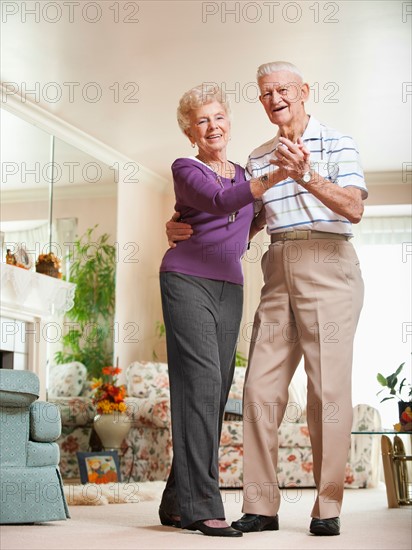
193, 145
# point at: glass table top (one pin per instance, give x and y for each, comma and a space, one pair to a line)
380, 432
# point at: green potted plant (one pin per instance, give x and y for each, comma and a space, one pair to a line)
398, 390
160, 333
90, 336
241, 359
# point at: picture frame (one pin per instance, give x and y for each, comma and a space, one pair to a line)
99, 467
22, 258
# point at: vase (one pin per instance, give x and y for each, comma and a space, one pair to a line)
112, 428
405, 415
49, 269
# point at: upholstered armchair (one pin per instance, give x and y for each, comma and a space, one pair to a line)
31, 488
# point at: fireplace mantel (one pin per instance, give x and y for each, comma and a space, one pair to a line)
33, 292
29, 301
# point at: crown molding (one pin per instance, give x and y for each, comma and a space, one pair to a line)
43, 119
85, 191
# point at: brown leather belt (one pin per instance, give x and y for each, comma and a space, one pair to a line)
304, 235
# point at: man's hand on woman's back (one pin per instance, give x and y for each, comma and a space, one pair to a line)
177, 231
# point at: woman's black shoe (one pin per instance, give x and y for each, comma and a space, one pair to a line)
214, 531
168, 519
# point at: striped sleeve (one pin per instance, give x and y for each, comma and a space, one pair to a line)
344, 164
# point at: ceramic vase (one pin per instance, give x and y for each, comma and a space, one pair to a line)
112, 429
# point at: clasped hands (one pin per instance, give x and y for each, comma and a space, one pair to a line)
292, 158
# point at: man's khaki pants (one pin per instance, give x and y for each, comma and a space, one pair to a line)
310, 305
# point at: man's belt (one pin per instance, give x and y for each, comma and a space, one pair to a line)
304, 235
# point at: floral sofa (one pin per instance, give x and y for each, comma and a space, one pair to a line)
146, 453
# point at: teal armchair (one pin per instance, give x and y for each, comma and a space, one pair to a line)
31, 488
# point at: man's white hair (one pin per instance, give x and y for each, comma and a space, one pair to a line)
269, 68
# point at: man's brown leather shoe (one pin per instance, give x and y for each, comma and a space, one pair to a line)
325, 527
250, 523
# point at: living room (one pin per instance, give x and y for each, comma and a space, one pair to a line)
105, 78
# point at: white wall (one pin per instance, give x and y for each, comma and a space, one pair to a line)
142, 213
89, 212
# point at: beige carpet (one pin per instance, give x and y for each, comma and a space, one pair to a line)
367, 524
93, 494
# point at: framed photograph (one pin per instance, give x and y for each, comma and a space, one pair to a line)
22, 258
102, 467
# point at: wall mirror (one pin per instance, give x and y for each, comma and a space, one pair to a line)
24, 185
51, 191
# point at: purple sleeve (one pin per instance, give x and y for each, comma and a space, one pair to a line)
196, 186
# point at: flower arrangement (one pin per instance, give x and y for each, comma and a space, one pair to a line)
405, 421
49, 264
402, 391
108, 395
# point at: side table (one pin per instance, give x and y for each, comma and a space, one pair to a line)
398, 479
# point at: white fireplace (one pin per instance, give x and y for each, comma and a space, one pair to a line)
30, 304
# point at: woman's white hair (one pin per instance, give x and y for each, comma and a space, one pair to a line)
269, 68
195, 98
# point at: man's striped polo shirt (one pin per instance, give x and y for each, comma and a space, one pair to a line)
289, 205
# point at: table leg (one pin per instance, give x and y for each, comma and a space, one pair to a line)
401, 460
387, 460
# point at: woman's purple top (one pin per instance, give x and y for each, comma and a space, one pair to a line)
215, 249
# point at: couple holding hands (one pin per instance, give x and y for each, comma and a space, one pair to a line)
306, 184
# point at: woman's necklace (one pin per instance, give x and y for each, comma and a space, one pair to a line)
232, 217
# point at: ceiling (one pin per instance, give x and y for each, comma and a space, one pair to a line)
116, 70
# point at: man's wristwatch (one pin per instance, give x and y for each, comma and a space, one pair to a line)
263, 181
307, 176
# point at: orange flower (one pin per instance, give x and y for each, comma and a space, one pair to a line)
111, 371
108, 396
349, 477
406, 415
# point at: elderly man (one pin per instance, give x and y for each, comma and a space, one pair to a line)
310, 302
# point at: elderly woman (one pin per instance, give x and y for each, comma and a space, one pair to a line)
201, 284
